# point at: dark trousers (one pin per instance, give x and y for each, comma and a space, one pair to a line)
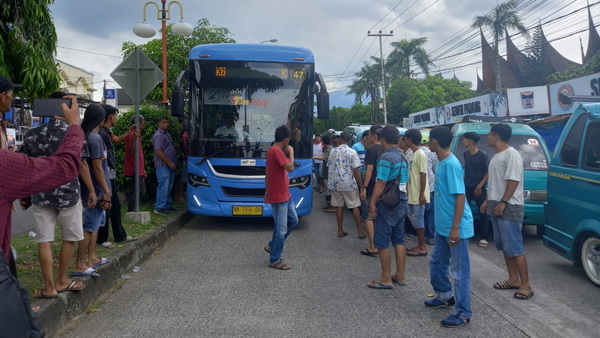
113, 217
131, 192
482, 225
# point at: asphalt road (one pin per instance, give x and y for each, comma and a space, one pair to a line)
212, 280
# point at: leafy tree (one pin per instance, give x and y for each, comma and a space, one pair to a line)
340, 117
28, 45
499, 20
151, 116
405, 52
178, 49
407, 95
535, 72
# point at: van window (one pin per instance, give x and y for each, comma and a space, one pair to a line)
569, 154
592, 147
529, 146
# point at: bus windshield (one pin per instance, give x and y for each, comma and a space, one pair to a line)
530, 148
238, 105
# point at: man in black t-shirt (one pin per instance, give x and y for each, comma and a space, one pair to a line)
476, 176
371, 158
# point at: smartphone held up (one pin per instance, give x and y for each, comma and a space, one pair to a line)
49, 107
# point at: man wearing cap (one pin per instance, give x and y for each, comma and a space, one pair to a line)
165, 162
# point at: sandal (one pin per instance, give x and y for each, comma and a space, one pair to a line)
40, 295
523, 294
503, 285
73, 287
279, 265
366, 252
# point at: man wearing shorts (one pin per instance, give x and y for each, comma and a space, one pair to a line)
371, 158
389, 220
344, 182
453, 228
418, 191
93, 213
505, 206
59, 205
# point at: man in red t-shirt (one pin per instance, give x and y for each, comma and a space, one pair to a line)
277, 194
129, 165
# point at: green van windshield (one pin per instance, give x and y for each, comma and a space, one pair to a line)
530, 148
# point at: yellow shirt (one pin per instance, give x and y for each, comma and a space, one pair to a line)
418, 165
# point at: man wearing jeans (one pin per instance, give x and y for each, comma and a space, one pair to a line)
280, 160
165, 162
505, 206
389, 220
453, 228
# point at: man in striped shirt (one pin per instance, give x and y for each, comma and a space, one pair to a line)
165, 163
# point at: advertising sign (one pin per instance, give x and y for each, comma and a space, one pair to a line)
528, 101
583, 86
486, 105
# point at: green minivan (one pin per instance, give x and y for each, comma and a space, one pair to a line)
535, 156
573, 207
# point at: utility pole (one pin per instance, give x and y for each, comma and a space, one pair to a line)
382, 62
104, 93
373, 93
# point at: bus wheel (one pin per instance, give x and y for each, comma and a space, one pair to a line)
590, 259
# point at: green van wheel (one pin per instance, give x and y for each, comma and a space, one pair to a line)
590, 259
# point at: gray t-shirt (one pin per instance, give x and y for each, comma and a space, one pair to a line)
506, 166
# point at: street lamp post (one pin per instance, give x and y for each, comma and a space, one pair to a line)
145, 30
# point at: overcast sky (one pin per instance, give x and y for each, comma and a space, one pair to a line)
90, 33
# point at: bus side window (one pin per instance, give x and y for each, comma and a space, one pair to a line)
592, 147
570, 151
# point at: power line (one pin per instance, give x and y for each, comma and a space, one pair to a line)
87, 51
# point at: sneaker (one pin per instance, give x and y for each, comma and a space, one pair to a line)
160, 212
454, 321
483, 243
436, 304
172, 209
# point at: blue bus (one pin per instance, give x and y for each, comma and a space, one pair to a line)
238, 95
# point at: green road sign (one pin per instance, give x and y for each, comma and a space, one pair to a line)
138, 69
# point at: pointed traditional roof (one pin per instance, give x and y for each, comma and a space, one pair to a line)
489, 56
593, 40
480, 86
553, 59
514, 56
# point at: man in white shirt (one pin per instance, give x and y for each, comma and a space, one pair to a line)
228, 130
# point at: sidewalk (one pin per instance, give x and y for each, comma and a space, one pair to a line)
57, 312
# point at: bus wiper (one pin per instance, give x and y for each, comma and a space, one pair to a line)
219, 152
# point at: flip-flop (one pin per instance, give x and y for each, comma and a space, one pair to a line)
523, 294
88, 272
366, 252
395, 281
503, 285
72, 287
362, 237
379, 285
40, 295
102, 262
416, 254
279, 265
343, 234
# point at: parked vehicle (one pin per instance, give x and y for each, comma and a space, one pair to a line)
356, 130
535, 156
573, 208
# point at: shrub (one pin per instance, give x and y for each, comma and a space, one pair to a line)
151, 116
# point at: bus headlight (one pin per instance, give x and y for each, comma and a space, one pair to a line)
300, 182
196, 181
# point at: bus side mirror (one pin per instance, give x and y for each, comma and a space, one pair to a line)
322, 105
177, 96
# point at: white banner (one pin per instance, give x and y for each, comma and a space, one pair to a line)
528, 101
583, 86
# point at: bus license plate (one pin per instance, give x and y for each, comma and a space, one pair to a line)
247, 210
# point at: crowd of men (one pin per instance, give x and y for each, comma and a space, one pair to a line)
71, 170
394, 184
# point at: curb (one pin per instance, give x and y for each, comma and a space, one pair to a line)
55, 313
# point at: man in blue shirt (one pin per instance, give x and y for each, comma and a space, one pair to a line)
453, 228
389, 220
165, 162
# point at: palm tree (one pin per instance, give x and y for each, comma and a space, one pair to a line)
502, 17
369, 73
405, 51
